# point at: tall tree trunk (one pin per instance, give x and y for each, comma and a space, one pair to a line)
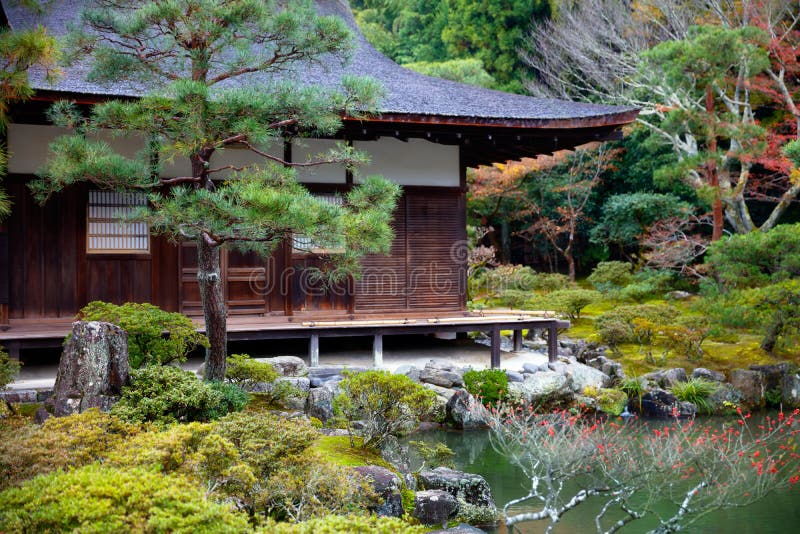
711, 169
209, 277
570, 264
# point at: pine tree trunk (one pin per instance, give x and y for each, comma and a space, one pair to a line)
209, 278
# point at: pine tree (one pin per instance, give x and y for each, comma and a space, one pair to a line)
211, 66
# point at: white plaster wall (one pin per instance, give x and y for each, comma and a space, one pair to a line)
28, 145
416, 162
304, 150
238, 157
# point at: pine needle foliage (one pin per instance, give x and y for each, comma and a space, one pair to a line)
208, 72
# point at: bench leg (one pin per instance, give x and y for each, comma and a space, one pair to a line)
552, 343
517, 340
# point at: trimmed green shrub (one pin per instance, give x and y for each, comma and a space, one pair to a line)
165, 394
569, 302
773, 311
154, 335
648, 283
697, 391
617, 326
386, 403
611, 276
61, 442
757, 258
312, 487
8, 368
514, 298
490, 385
101, 499
350, 524
246, 372
265, 440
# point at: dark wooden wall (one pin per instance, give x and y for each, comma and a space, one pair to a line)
50, 274
426, 269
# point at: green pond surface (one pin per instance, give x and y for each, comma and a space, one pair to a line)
778, 513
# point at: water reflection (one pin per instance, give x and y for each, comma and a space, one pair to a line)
779, 513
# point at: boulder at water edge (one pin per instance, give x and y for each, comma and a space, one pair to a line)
470, 487
434, 507
464, 411
93, 368
386, 485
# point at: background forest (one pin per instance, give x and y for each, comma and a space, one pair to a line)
698, 198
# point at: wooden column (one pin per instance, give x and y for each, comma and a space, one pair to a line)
313, 350
495, 358
552, 342
517, 340
377, 351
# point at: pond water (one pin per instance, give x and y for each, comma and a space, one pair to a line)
779, 513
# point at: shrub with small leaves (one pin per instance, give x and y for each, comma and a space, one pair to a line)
611, 276
350, 524
8, 368
514, 298
686, 337
385, 403
247, 372
489, 385
155, 336
164, 394
98, 498
617, 326
569, 302
61, 442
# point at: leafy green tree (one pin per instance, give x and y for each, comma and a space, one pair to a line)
210, 63
493, 32
627, 216
19, 51
469, 71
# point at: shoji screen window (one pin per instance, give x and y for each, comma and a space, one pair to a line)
108, 231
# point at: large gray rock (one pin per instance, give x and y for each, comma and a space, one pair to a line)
440, 391
670, 377
541, 386
470, 487
790, 391
287, 365
93, 368
297, 387
751, 385
660, 404
708, 374
387, 485
464, 411
725, 398
583, 376
438, 377
410, 371
514, 376
530, 367
319, 403
772, 375
434, 507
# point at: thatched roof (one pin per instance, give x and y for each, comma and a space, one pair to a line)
410, 97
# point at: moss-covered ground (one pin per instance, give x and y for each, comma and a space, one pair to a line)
740, 351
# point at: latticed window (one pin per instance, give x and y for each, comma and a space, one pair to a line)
303, 244
108, 231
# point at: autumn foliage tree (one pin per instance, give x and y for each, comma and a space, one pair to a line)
212, 67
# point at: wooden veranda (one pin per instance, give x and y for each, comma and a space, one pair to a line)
23, 334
